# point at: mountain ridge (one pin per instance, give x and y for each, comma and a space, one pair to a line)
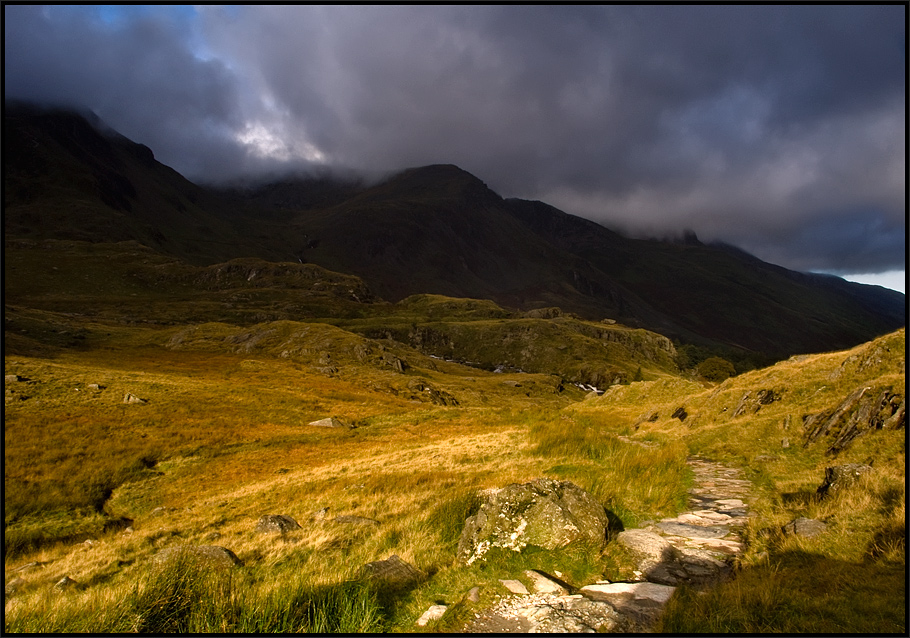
435, 229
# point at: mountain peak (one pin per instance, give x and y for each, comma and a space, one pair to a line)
439, 181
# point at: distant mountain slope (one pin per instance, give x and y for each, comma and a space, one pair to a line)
435, 229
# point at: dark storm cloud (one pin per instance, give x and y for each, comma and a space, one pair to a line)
775, 128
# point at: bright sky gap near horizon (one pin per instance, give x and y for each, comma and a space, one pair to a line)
778, 129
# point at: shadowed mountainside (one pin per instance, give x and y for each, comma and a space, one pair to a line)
435, 229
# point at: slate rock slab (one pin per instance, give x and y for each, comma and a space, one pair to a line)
692, 531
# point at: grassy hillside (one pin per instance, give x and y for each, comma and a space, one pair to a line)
434, 229
231, 363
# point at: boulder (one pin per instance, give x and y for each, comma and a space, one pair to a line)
280, 523
545, 512
133, 399
841, 477
805, 527
212, 555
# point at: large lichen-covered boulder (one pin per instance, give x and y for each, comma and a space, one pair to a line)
545, 512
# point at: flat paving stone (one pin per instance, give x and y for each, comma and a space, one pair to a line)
692, 531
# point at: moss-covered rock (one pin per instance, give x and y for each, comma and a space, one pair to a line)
545, 512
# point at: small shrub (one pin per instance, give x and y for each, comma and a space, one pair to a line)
715, 369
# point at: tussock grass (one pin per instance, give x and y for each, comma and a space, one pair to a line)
223, 440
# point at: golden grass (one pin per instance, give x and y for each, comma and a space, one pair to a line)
223, 440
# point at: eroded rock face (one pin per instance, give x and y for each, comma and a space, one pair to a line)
545, 512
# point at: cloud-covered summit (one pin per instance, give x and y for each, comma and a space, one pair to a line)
780, 129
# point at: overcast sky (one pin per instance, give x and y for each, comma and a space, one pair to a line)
780, 129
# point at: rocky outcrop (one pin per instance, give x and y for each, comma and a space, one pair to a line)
545, 512
751, 402
862, 410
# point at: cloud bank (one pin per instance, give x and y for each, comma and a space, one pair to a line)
780, 129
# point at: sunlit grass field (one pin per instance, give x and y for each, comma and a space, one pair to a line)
95, 487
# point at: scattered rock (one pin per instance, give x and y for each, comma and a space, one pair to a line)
13, 586
319, 514
213, 555
133, 399
330, 422
785, 443
117, 524
544, 584
280, 523
393, 572
95, 386
435, 612
545, 512
355, 520
805, 527
680, 413
65, 584
515, 586
841, 477
13, 378
28, 566
473, 595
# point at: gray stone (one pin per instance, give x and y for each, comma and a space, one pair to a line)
330, 422
210, 555
841, 477
515, 586
543, 584
546, 613
13, 586
692, 531
280, 523
473, 595
647, 544
133, 399
545, 512
95, 386
435, 612
393, 572
805, 527
65, 584
350, 519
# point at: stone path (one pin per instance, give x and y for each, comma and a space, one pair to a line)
698, 547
